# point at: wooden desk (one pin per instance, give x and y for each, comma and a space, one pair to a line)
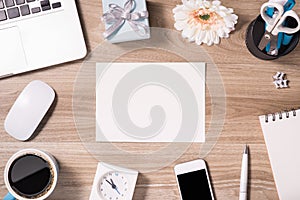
249, 93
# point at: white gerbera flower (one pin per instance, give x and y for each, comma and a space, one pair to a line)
204, 21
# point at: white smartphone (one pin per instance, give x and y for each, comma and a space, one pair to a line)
193, 180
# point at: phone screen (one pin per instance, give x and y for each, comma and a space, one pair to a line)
194, 185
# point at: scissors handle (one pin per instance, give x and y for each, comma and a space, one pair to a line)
271, 22
280, 28
289, 5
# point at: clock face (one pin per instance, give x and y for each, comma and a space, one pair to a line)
113, 186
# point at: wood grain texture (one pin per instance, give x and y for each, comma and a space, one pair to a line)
249, 93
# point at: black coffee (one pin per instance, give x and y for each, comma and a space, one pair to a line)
30, 176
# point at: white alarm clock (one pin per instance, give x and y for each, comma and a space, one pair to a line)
113, 183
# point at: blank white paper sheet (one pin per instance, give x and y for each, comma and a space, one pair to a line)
150, 102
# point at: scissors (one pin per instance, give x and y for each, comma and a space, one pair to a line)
283, 38
274, 26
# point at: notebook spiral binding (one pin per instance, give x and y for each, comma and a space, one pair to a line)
280, 115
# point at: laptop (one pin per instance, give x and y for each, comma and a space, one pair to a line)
38, 33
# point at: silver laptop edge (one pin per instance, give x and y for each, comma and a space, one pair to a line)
38, 34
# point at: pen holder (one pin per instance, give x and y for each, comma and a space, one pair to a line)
255, 32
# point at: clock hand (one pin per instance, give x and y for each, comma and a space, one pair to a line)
117, 191
112, 182
114, 186
109, 182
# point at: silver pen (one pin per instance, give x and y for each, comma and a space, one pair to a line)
244, 175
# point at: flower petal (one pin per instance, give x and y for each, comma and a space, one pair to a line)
221, 32
216, 3
199, 38
180, 16
187, 33
192, 34
178, 8
180, 25
217, 39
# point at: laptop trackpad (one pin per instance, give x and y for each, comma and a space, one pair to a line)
12, 55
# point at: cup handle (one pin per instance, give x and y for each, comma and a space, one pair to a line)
9, 197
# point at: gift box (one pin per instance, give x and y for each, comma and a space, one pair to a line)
125, 20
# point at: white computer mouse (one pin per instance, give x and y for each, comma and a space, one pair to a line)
28, 110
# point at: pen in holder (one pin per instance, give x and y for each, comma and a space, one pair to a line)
275, 32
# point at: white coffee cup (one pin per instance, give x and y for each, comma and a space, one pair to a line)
54, 170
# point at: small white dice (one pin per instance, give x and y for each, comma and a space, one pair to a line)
279, 80
279, 76
281, 84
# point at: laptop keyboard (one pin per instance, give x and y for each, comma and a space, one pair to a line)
22, 9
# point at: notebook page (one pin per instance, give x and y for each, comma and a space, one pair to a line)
282, 138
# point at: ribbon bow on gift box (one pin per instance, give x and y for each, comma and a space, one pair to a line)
118, 15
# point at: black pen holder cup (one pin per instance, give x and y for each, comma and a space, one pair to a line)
255, 32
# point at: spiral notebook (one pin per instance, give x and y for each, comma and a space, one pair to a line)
282, 136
